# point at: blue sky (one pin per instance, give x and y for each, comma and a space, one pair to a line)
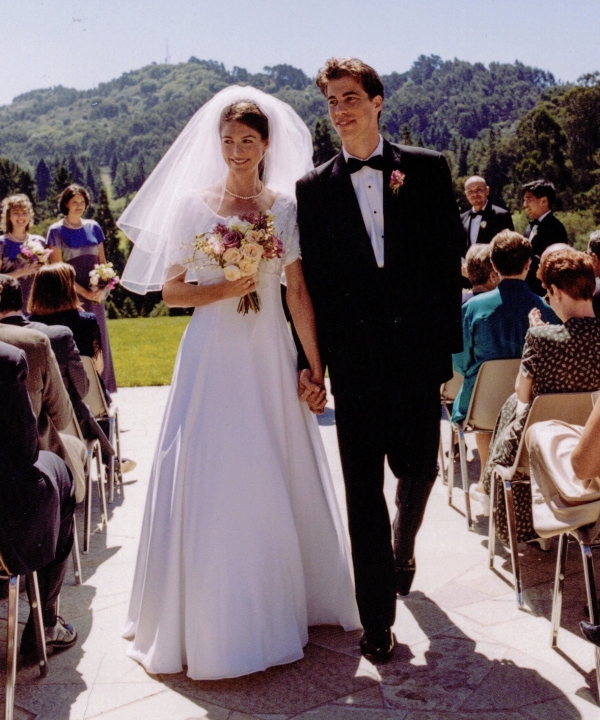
79, 43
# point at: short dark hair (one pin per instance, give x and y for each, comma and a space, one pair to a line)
541, 188
69, 192
510, 253
247, 113
11, 295
594, 243
364, 74
571, 271
479, 264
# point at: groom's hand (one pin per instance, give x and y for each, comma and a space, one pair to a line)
312, 391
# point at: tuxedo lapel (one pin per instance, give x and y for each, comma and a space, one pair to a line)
395, 204
346, 215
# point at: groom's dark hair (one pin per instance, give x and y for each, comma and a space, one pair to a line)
336, 68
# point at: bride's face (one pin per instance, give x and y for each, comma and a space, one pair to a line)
242, 147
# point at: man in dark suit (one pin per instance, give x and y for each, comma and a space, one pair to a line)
36, 512
484, 220
593, 250
381, 244
544, 227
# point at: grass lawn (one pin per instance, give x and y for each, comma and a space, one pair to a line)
144, 349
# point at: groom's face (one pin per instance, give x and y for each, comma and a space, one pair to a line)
353, 113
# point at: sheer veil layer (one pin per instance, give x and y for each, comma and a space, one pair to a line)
191, 165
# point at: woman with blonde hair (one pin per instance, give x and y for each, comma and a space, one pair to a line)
15, 222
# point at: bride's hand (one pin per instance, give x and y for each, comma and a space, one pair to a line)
312, 391
241, 287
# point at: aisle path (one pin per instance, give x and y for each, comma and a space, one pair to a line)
464, 650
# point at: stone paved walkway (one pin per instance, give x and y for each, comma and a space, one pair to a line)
464, 650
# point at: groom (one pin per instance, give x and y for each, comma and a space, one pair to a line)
381, 241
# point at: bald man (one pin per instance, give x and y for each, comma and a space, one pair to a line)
484, 220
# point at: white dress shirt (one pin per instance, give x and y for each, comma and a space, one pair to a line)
368, 186
475, 225
534, 229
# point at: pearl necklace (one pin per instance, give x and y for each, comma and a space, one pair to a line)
248, 197
71, 226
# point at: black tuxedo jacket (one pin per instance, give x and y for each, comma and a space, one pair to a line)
549, 232
29, 508
495, 219
380, 329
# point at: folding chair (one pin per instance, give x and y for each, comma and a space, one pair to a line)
13, 626
448, 394
93, 453
97, 402
586, 544
495, 383
573, 408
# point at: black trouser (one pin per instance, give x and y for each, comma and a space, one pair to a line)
51, 576
404, 427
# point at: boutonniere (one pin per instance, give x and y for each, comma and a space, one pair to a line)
396, 181
483, 224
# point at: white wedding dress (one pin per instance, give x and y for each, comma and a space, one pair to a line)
242, 545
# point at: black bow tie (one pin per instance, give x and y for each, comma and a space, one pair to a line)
475, 214
533, 223
354, 165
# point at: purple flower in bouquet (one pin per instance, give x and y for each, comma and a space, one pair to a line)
232, 239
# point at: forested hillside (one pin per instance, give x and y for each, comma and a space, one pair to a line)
510, 122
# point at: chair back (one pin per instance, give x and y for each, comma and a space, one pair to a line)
573, 408
95, 397
451, 387
495, 383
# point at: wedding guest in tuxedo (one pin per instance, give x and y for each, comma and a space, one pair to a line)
36, 512
67, 356
484, 220
593, 250
544, 227
494, 326
480, 271
374, 221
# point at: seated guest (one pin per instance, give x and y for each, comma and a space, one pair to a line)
593, 250
49, 400
67, 355
480, 271
556, 358
36, 512
495, 323
565, 482
15, 223
544, 227
54, 301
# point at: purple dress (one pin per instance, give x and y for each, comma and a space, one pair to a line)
80, 249
10, 261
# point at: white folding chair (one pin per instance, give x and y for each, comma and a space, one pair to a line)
448, 393
97, 403
495, 383
13, 626
572, 408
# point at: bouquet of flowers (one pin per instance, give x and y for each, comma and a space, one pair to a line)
103, 277
33, 251
238, 246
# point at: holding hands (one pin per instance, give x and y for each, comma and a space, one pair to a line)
311, 389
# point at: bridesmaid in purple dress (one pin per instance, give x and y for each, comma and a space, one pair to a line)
17, 219
80, 243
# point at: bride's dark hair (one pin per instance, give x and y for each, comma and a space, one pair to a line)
247, 113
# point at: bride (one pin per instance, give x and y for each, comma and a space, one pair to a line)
242, 545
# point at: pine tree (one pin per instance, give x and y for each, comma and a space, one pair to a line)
139, 175
114, 165
74, 168
405, 136
14, 179
90, 183
42, 180
104, 217
324, 145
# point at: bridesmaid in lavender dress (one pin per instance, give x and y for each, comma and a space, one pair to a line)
80, 243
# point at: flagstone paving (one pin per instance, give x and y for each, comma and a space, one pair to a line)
464, 649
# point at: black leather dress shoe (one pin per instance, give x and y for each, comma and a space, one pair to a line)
405, 574
590, 632
377, 646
